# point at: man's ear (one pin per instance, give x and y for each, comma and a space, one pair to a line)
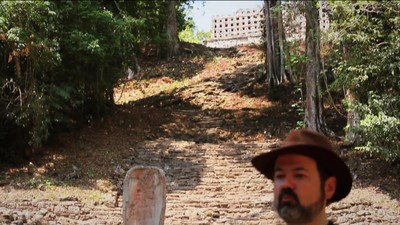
330, 187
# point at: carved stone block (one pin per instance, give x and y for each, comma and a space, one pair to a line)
144, 196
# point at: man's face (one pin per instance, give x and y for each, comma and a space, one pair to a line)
298, 196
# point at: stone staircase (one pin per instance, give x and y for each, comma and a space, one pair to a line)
211, 183
207, 183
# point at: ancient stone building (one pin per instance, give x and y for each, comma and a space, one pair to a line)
246, 26
243, 27
295, 22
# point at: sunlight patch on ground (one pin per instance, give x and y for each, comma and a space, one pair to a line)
54, 194
103, 185
136, 90
370, 195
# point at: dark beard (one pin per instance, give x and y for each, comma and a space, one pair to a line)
296, 212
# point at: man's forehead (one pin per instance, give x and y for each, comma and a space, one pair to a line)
294, 160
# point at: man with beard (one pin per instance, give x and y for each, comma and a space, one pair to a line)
307, 174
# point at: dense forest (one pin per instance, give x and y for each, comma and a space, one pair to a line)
61, 60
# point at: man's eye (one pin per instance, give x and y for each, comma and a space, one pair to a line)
279, 176
300, 175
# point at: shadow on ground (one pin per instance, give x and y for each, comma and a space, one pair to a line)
372, 172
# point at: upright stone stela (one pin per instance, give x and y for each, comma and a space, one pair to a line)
144, 196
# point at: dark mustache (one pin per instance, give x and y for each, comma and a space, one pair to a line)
288, 191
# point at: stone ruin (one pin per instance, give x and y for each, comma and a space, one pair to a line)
246, 27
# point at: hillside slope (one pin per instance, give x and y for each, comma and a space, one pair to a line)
200, 117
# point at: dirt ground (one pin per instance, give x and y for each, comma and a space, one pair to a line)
210, 96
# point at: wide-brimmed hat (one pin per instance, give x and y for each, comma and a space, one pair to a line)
316, 146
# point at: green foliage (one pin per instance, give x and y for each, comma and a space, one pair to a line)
36, 182
94, 46
298, 58
366, 49
60, 63
192, 35
381, 133
380, 126
299, 106
28, 37
147, 20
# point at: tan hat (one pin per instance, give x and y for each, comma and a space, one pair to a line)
316, 146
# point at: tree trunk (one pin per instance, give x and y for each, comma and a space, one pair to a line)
17, 61
279, 21
269, 41
314, 108
172, 30
276, 58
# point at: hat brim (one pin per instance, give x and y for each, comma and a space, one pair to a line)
265, 163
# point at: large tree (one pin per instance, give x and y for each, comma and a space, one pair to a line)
276, 60
172, 46
314, 106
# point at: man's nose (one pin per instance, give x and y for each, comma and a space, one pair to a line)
287, 182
